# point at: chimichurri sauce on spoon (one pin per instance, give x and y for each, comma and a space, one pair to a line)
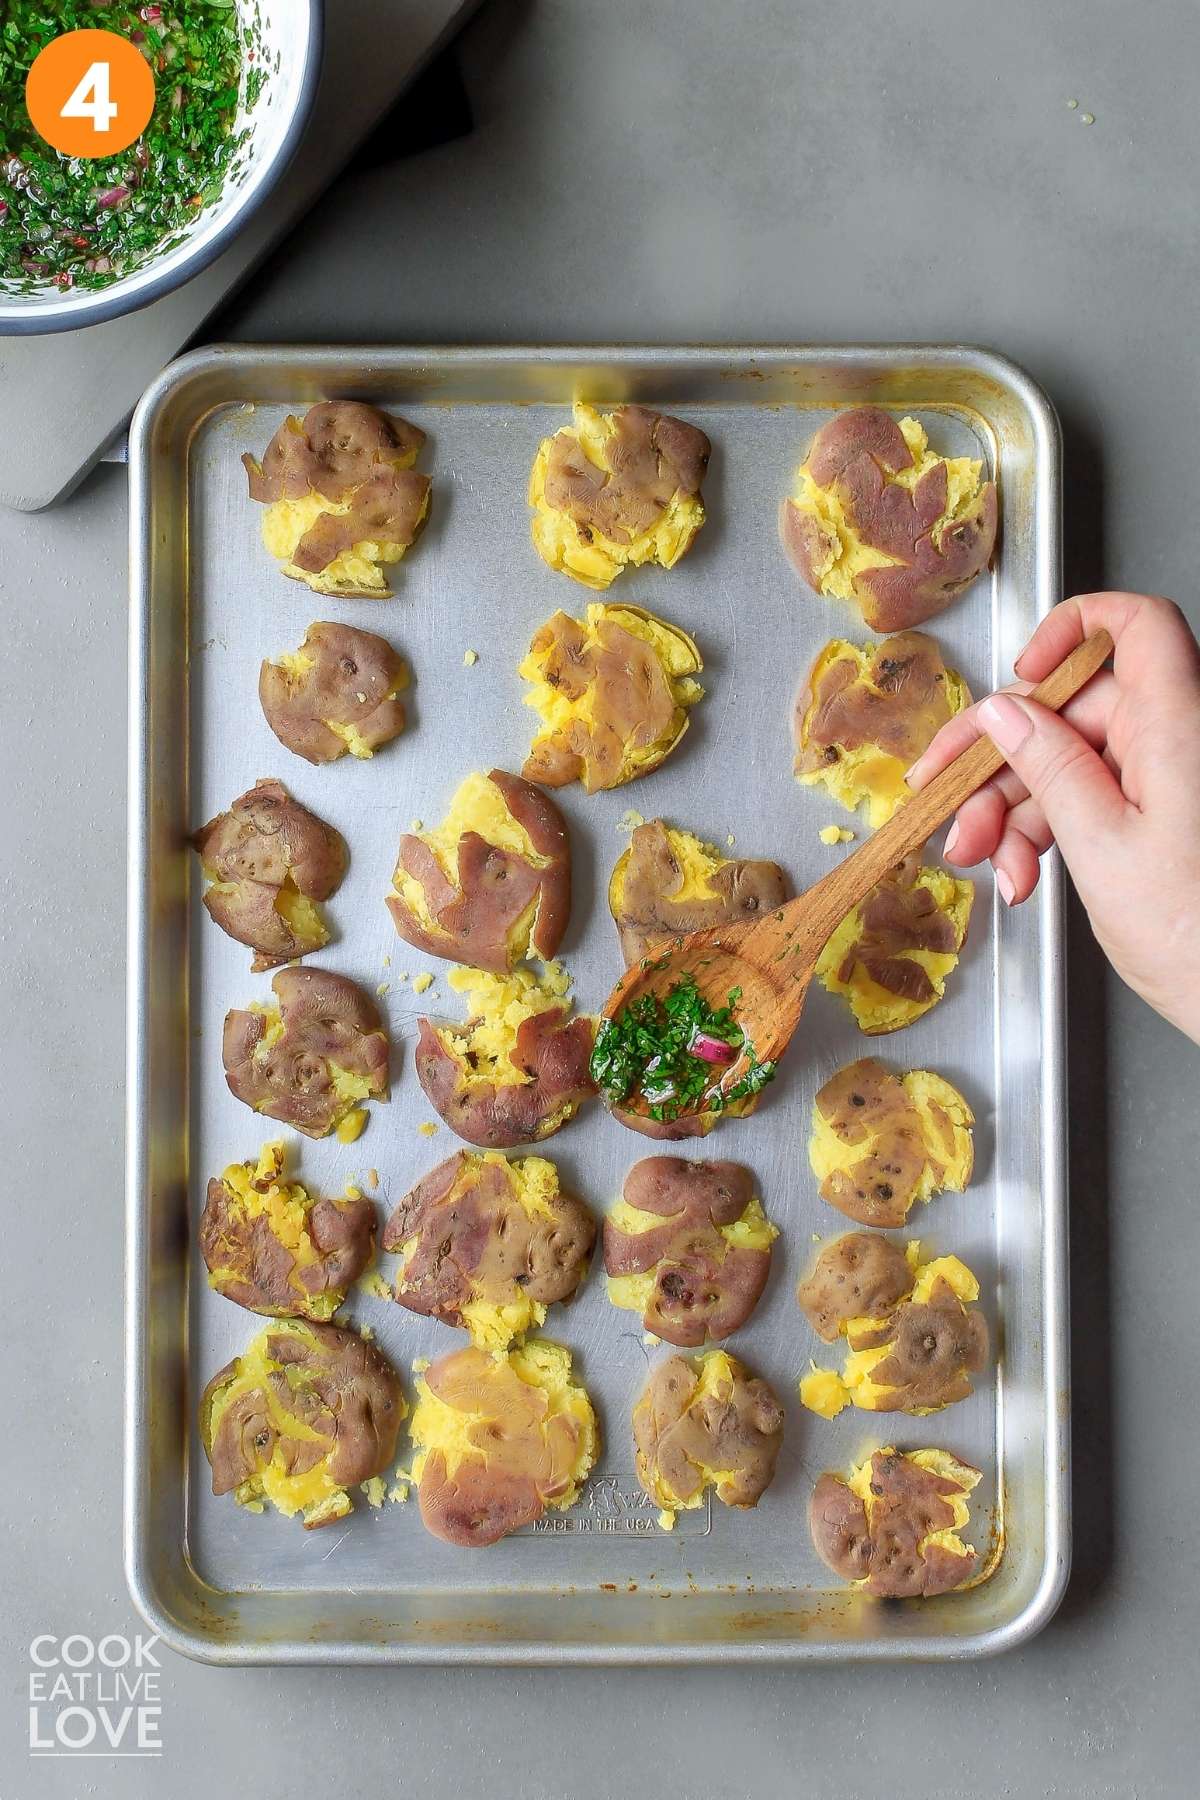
671, 1055
80, 222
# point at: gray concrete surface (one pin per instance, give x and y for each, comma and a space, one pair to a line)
663, 171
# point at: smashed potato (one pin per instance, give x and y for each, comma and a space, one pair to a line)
312, 1059
858, 1275
865, 715
267, 861
489, 1244
910, 1351
518, 1069
615, 490
338, 692
878, 518
892, 1526
304, 1413
880, 1142
492, 883
613, 693
271, 1247
501, 1438
706, 1423
689, 1247
891, 956
342, 496
668, 883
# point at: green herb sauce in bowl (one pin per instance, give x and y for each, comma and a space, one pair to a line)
87, 238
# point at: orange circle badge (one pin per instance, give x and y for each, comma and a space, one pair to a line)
90, 93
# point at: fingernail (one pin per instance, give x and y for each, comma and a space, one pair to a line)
912, 769
951, 840
1008, 892
1006, 723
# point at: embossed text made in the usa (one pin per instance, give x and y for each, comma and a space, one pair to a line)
616, 1506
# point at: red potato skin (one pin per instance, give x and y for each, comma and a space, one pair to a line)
251, 852
332, 450
856, 452
688, 1125
884, 1552
478, 1506
256, 1270
325, 1017
495, 887
666, 1131
349, 682
473, 1240
704, 1288
556, 1049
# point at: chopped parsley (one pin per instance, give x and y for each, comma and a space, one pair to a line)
83, 222
647, 1053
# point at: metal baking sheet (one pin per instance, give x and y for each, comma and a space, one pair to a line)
602, 1583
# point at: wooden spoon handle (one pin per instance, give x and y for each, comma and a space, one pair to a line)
827, 904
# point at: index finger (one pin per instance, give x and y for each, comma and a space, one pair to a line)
1154, 643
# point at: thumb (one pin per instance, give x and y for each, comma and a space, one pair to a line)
1075, 788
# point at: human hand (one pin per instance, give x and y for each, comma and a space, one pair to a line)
1114, 779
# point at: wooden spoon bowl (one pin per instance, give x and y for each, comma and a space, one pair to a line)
772, 960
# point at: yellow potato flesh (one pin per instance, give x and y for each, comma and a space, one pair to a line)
285, 522
353, 739
478, 806
302, 917
875, 1008
823, 1392
499, 1005
866, 775
955, 1274
352, 1126
827, 1153
558, 539
826, 1392
436, 1426
753, 1231
849, 557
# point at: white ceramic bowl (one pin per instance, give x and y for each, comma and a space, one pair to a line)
290, 33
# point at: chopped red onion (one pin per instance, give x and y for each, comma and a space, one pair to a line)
711, 1049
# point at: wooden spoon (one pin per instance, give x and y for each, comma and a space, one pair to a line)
772, 959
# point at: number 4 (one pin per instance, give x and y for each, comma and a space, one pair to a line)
90, 99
